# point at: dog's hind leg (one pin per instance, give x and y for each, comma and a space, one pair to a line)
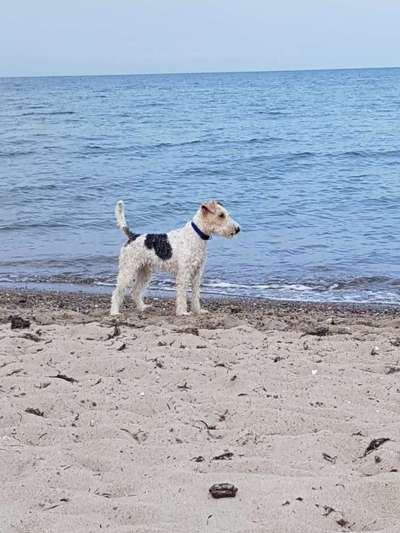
142, 277
118, 293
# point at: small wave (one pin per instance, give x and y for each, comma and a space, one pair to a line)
365, 154
271, 113
300, 155
286, 286
95, 147
91, 149
18, 142
16, 153
39, 106
46, 113
277, 113
171, 144
145, 105
21, 226
252, 140
362, 282
29, 189
261, 140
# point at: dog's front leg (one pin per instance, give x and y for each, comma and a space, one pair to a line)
182, 281
196, 281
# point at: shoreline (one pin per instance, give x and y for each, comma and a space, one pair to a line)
89, 301
370, 290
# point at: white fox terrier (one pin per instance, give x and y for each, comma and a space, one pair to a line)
182, 252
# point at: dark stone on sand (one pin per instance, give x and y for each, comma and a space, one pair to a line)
223, 490
17, 322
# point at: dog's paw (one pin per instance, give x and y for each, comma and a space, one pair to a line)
143, 307
183, 313
200, 312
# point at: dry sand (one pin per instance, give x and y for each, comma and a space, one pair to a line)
294, 393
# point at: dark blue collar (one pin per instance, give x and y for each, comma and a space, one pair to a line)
199, 232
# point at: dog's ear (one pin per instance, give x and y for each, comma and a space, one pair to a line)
209, 207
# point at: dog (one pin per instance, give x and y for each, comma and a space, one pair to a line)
181, 252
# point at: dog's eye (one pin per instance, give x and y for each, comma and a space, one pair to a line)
221, 215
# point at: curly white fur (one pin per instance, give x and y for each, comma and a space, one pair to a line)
189, 253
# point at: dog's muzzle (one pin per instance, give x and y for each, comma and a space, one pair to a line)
235, 231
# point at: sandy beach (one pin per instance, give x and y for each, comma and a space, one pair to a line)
124, 426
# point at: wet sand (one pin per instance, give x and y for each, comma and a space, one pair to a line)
124, 425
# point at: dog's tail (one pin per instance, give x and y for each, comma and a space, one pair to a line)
120, 216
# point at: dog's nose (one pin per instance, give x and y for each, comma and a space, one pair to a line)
237, 229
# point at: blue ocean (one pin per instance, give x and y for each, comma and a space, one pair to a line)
308, 162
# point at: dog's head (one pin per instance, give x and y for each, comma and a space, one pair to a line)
216, 220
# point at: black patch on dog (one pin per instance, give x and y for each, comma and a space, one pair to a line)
131, 237
160, 244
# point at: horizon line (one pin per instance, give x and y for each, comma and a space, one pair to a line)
195, 72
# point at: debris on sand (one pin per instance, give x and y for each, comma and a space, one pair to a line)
42, 385
185, 386
189, 331
329, 458
198, 459
223, 416
17, 322
16, 371
65, 378
343, 523
115, 333
327, 509
223, 457
140, 436
392, 369
374, 445
223, 490
318, 331
31, 337
34, 411
208, 427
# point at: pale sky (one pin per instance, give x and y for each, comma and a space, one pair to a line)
68, 37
